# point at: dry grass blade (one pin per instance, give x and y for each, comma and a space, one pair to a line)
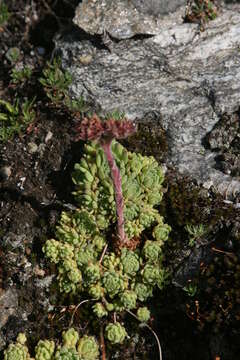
76, 309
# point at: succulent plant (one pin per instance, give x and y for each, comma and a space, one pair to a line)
17, 351
115, 333
65, 353
113, 283
96, 193
161, 232
96, 291
88, 348
111, 261
44, 350
85, 254
150, 274
122, 279
72, 348
100, 310
76, 228
143, 291
104, 132
70, 338
112, 186
143, 314
153, 275
128, 298
51, 250
130, 262
119, 277
152, 250
92, 273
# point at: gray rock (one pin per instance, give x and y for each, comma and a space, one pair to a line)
8, 305
14, 241
157, 7
48, 136
123, 19
184, 77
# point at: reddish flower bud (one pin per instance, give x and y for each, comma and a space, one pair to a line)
119, 129
96, 129
89, 129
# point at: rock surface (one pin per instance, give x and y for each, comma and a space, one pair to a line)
123, 19
185, 78
8, 307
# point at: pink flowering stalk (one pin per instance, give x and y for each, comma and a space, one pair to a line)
105, 131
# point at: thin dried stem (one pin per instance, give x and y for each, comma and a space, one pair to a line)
76, 309
152, 331
103, 253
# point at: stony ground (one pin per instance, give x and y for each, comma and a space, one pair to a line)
198, 314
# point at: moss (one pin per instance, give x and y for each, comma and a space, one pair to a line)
150, 140
219, 291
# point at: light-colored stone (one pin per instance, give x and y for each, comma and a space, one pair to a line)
8, 305
123, 19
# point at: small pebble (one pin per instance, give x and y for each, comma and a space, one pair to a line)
28, 251
5, 173
32, 147
39, 272
85, 59
48, 136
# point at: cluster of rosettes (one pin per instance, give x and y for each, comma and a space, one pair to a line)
72, 348
142, 179
116, 281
